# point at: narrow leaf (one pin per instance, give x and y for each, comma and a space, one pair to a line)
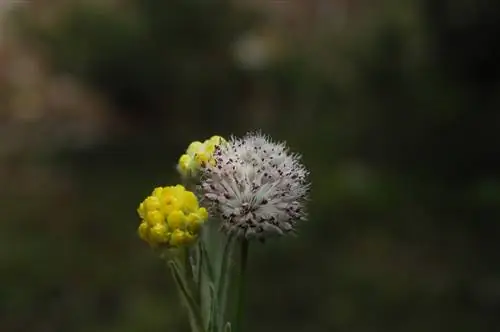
196, 263
206, 300
187, 264
206, 259
192, 306
223, 279
212, 322
199, 272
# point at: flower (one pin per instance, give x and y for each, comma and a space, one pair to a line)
256, 186
171, 217
198, 153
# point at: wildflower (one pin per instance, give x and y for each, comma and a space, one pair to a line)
197, 154
171, 217
256, 187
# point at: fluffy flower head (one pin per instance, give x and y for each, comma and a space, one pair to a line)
197, 154
256, 186
171, 217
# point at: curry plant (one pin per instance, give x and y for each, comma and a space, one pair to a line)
234, 192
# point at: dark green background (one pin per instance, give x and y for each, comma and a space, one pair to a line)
397, 116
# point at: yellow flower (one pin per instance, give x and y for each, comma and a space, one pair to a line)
197, 154
170, 217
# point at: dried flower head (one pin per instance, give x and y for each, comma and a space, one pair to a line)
171, 217
198, 153
256, 186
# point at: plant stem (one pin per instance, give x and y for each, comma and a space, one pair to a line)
241, 285
223, 278
199, 273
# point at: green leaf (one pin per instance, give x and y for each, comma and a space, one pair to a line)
206, 300
208, 264
212, 323
208, 294
196, 263
193, 308
213, 241
187, 264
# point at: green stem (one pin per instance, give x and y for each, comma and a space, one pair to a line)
241, 285
223, 279
199, 273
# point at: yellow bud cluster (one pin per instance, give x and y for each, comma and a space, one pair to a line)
171, 217
197, 154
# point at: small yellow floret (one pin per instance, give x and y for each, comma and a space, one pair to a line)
154, 218
152, 203
143, 231
217, 139
202, 157
194, 147
180, 238
157, 192
159, 234
176, 220
171, 217
140, 210
202, 213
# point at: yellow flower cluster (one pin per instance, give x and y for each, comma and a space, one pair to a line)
197, 154
171, 217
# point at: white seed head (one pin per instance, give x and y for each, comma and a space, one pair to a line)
256, 187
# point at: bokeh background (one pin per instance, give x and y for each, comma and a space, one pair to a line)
395, 106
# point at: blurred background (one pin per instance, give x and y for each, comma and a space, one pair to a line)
395, 106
